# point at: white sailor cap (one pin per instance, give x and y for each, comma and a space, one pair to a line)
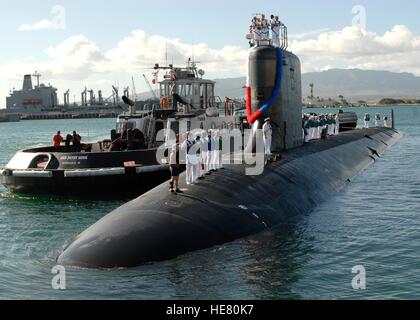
267, 119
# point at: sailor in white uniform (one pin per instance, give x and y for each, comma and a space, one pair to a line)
267, 135
367, 121
377, 120
198, 163
210, 153
275, 31
251, 32
265, 28
215, 160
386, 122
191, 159
220, 143
258, 34
337, 124
203, 167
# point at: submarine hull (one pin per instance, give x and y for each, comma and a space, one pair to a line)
228, 205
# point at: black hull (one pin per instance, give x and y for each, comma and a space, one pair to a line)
103, 187
91, 175
226, 206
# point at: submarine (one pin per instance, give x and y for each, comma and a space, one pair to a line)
230, 204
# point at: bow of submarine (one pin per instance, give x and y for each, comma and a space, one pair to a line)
160, 226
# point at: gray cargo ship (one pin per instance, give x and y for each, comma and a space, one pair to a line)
40, 102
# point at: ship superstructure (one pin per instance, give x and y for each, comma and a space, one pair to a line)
32, 98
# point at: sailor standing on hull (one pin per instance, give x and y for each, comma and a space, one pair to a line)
187, 147
210, 153
367, 121
218, 143
337, 124
268, 135
198, 165
377, 120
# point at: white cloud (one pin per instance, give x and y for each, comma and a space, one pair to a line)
395, 50
78, 58
40, 25
140, 50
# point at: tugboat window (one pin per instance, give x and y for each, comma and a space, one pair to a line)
40, 162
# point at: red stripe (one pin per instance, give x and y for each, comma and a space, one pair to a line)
248, 104
251, 117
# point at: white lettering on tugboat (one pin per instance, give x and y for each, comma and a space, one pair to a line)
74, 158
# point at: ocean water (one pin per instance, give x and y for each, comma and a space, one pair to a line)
373, 222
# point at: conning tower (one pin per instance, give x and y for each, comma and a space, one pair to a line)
274, 89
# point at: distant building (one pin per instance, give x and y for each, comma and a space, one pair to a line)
32, 99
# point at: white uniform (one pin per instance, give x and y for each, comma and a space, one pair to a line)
252, 28
275, 32
265, 29
258, 34
210, 165
190, 160
197, 166
219, 144
337, 125
268, 136
377, 121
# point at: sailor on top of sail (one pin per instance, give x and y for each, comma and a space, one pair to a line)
275, 30
258, 33
265, 29
253, 25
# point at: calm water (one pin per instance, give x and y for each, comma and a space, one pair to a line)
374, 222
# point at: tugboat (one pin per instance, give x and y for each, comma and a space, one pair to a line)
125, 164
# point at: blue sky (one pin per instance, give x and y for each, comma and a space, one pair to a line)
216, 23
